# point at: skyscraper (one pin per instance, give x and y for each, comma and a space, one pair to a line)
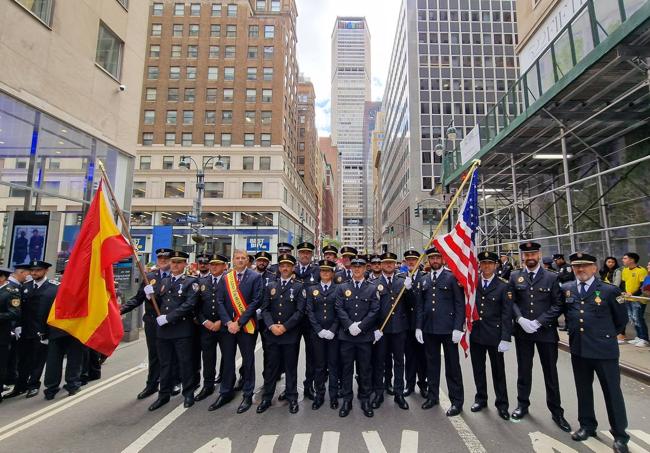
350, 91
370, 113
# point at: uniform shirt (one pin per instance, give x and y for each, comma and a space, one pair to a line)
9, 311
441, 304
206, 307
632, 279
320, 307
284, 304
357, 302
494, 323
177, 297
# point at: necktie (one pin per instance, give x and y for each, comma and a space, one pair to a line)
302, 269
357, 284
284, 284
390, 281
583, 289
240, 276
435, 276
531, 276
485, 284
349, 274
325, 288
214, 281
164, 275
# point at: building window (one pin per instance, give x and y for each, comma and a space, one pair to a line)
260, 5
139, 189
216, 10
188, 116
211, 95
253, 31
151, 94
174, 190
177, 51
210, 117
229, 74
226, 162
248, 161
186, 139
147, 138
252, 53
190, 94
171, 117
195, 9
168, 163
154, 51
149, 117
170, 139
267, 95
268, 74
208, 139
265, 139
213, 190
174, 72
249, 117
275, 6
226, 117
172, 94
251, 190
232, 10
228, 95
156, 29
251, 94
231, 31
269, 31
145, 162
179, 9
177, 30
251, 74
226, 139
194, 30
268, 52
42, 9
109, 51
214, 52
215, 30
249, 140
229, 52
157, 9
191, 72
265, 163
192, 51
266, 116
213, 73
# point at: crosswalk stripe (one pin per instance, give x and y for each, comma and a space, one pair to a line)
216, 445
330, 442
543, 443
373, 442
645, 437
634, 447
409, 441
464, 432
265, 444
300, 443
596, 445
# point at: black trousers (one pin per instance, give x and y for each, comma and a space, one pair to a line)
360, 354
415, 362
326, 365
4, 363
175, 355
281, 356
151, 335
246, 343
548, 359
388, 350
91, 368
196, 354
478, 354
609, 375
453, 374
12, 363
32, 355
209, 342
306, 334
58, 348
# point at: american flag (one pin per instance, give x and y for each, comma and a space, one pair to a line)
459, 250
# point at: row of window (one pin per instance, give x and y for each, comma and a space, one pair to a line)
210, 117
194, 30
187, 139
248, 162
176, 189
467, 38
192, 51
211, 94
464, 16
457, 61
191, 73
216, 9
465, 84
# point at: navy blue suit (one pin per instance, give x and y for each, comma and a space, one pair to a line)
415, 357
310, 277
206, 310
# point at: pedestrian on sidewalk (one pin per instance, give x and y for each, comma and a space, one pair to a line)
632, 277
611, 273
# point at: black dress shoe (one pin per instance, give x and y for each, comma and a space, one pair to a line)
49, 396
245, 404
31, 393
401, 402
429, 403
562, 423
583, 434
309, 393
189, 401
423, 392
160, 402
367, 409
519, 413
73, 391
176, 390
620, 447
390, 390
264, 405
282, 396
477, 407
377, 401
14, 392
345, 409
408, 390
454, 410
318, 402
204, 393
147, 392
293, 407
222, 400
334, 404
503, 413
239, 384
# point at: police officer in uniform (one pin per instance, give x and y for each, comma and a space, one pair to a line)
357, 307
375, 267
330, 253
564, 271
321, 313
283, 248
203, 265
17, 279
392, 339
177, 295
505, 268
345, 274
537, 303
491, 334
440, 318
415, 358
9, 314
283, 310
262, 261
595, 313
163, 256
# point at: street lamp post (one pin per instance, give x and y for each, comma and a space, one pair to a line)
449, 161
302, 224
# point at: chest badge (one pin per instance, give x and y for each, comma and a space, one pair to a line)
15, 303
348, 293
273, 291
152, 281
315, 293
202, 287
598, 300
380, 288
567, 293
520, 280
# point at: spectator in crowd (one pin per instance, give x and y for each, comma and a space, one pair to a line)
645, 286
632, 278
611, 273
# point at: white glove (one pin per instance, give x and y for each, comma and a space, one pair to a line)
148, 291
17, 331
354, 329
329, 335
527, 325
44, 341
322, 334
378, 335
408, 283
503, 346
456, 336
418, 336
535, 324
162, 320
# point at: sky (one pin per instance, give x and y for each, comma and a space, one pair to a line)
315, 24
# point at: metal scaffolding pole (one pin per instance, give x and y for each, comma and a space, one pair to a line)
514, 196
569, 198
604, 217
556, 216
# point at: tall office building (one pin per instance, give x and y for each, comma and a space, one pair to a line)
350, 91
448, 63
371, 110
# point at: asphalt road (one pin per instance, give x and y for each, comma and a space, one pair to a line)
106, 417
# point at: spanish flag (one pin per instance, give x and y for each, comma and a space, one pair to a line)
85, 304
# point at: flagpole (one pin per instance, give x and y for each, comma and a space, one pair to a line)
127, 233
433, 236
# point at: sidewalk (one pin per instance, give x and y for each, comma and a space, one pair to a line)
635, 362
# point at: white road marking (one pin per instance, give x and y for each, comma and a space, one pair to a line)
68, 402
373, 442
466, 435
265, 444
216, 445
645, 437
546, 444
330, 442
596, 445
300, 443
634, 447
409, 441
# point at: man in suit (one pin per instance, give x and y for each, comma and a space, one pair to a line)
21, 248
439, 323
208, 318
357, 307
283, 310
162, 271
491, 334
537, 303
9, 314
237, 308
505, 267
36, 242
595, 313
37, 298
392, 340
415, 358
178, 297
321, 313
345, 274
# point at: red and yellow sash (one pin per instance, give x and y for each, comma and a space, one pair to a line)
238, 302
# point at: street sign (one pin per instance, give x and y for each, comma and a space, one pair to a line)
471, 145
191, 218
258, 244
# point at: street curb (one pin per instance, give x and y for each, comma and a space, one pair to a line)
626, 369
